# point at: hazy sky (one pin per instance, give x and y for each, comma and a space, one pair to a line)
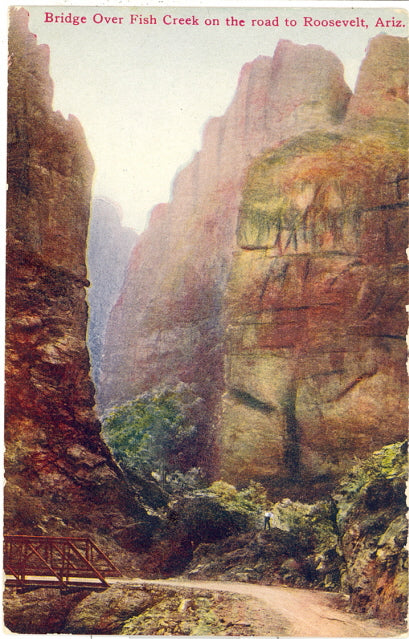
143, 92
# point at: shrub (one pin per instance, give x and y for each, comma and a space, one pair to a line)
248, 502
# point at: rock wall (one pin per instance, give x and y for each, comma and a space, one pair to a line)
167, 324
60, 476
373, 527
108, 250
288, 317
315, 303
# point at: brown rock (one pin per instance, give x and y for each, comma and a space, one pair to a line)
166, 326
382, 86
40, 611
288, 317
105, 612
315, 363
56, 463
372, 524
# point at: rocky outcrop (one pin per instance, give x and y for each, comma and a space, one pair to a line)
315, 303
382, 87
271, 557
167, 324
41, 611
109, 247
142, 610
106, 612
56, 464
373, 528
196, 612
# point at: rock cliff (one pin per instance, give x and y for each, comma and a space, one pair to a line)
56, 464
275, 278
315, 302
109, 247
167, 324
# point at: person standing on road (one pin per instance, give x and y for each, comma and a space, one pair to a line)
267, 518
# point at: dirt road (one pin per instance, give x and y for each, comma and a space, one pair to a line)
306, 613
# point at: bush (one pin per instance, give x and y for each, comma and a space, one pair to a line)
248, 502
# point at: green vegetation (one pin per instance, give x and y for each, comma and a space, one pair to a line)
215, 513
148, 435
306, 543
389, 462
372, 524
390, 132
208, 622
313, 184
248, 502
268, 208
305, 144
187, 614
313, 522
375, 483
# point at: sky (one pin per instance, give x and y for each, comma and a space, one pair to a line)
143, 92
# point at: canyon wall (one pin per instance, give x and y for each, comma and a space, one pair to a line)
274, 281
315, 303
167, 324
108, 250
60, 476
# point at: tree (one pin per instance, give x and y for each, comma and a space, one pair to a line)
149, 433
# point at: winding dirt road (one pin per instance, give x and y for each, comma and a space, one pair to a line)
306, 613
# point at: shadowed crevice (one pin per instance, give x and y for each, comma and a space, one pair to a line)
252, 402
292, 448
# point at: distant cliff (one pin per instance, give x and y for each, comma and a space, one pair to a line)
109, 247
275, 278
56, 464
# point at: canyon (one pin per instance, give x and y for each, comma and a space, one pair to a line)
273, 286
108, 248
167, 324
274, 281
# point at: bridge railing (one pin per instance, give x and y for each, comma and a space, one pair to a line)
63, 562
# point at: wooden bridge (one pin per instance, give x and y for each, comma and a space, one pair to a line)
55, 562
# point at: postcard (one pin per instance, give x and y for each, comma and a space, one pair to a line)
205, 346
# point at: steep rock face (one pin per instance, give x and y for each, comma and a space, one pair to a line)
382, 86
166, 325
315, 304
109, 247
373, 529
60, 475
297, 323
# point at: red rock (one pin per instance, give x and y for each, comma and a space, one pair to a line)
382, 86
167, 323
295, 306
56, 464
315, 305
